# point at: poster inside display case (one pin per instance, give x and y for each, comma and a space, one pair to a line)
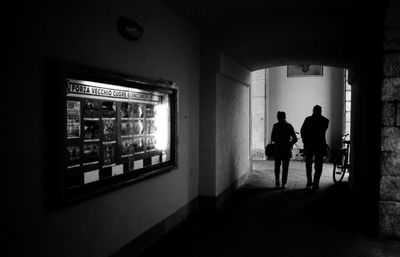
118, 130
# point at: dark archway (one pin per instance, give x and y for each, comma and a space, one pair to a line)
261, 34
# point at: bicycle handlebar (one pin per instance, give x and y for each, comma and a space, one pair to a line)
344, 141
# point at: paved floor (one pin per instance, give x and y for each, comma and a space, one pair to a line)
261, 221
263, 175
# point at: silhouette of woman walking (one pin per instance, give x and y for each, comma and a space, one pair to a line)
284, 137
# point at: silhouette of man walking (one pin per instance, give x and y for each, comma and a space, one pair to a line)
313, 136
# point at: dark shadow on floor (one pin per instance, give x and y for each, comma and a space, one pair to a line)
266, 222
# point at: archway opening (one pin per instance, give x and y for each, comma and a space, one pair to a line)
294, 90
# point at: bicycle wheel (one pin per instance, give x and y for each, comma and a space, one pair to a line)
339, 168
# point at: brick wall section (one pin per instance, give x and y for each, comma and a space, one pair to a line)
389, 206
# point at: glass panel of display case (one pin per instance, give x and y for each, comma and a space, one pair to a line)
116, 132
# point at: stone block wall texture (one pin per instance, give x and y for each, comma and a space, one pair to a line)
392, 39
389, 206
389, 218
391, 64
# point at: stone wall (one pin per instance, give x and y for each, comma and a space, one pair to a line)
389, 213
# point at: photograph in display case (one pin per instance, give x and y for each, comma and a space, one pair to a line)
138, 144
126, 110
138, 127
127, 128
126, 147
150, 143
150, 111
138, 110
150, 127
109, 108
118, 130
91, 153
73, 156
91, 108
73, 119
91, 129
108, 129
109, 154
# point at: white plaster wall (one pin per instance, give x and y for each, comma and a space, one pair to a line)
85, 32
297, 96
258, 114
232, 124
209, 66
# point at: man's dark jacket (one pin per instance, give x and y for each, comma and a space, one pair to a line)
313, 133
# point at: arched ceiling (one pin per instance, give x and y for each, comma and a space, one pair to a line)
262, 33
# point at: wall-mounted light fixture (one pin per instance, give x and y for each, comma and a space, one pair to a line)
129, 29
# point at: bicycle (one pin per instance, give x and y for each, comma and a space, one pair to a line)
299, 152
341, 163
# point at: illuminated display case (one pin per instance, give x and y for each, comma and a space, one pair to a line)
118, 130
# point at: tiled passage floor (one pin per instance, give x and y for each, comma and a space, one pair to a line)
263, 175
259, 221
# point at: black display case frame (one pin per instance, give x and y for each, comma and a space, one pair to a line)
89, 177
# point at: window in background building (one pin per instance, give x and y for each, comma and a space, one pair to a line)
347, 113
